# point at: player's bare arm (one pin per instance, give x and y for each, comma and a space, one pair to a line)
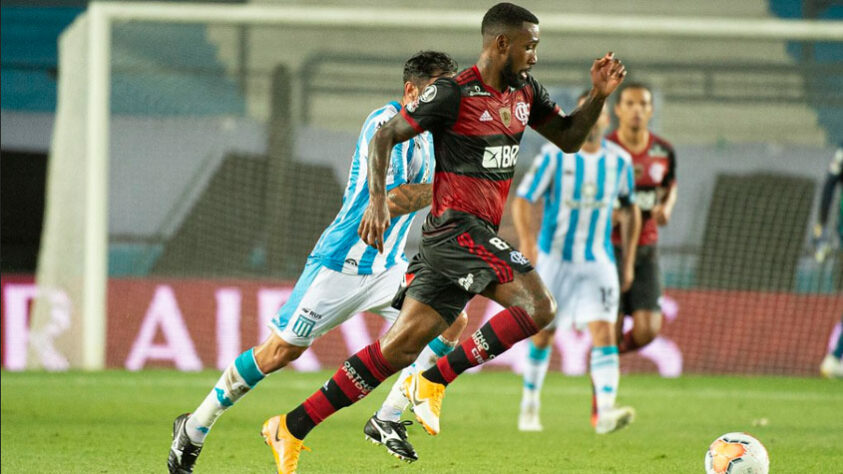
408, 198
568, 132
662, 211
376, 216
630, 224
522, 215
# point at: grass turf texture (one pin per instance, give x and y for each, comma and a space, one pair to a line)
121, 422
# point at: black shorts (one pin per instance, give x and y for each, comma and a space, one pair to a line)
646, 288
447, 273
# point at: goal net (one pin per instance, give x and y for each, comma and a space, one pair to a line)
200, 150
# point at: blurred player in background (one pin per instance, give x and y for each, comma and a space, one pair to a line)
831, 365
343, 276
477, 120
655, 188
576, 260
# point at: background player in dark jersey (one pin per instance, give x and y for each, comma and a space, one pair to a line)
655, 186
831, 366
477, 119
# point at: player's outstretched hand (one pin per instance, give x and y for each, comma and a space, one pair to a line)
374, 223
607, 73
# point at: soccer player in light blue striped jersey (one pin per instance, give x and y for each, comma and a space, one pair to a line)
343, 276
575, 258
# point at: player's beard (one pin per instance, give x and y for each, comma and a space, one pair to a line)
511, 78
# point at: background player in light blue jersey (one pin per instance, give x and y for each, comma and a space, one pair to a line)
343, 276
575, 258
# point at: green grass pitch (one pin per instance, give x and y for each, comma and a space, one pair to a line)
120, 422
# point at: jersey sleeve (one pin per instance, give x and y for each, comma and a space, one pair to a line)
543, 107
396, 173
537, 181
626, 186
437, 107
670, 177
401, 155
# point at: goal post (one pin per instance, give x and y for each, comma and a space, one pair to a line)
74, 257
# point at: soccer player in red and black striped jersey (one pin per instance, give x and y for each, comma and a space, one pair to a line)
654, 162
477, 119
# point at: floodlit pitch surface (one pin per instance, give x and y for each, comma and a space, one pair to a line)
120, 422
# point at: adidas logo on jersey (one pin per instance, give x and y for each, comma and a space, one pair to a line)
486, 117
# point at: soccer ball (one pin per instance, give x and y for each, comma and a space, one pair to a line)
736, 453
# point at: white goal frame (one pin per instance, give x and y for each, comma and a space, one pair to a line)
101, 16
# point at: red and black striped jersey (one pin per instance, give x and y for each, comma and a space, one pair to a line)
655, 173
476, 135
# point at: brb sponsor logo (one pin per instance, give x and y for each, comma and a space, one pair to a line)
356, 379
497, 157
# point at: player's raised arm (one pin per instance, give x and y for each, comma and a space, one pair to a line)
376, 216
568, 132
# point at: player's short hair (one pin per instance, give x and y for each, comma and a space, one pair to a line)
425, 64
505, 15
634, 85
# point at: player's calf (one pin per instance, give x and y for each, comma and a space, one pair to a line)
645, 328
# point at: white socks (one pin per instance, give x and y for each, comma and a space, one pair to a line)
534, 372
236, 380
605, 375
396, 402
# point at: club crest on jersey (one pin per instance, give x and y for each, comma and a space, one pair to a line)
657, 172
428, 94
506, 116
518, 257
303, 326
522, 112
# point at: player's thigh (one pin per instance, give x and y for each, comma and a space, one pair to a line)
328, 300
417, 324
646, 290
597, 293
474, 259
561, 283
426, 285
527, 291
482, 262
380, 291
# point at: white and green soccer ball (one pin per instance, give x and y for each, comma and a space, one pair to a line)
736, 453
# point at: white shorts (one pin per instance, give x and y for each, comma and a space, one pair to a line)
323, 299
584, 292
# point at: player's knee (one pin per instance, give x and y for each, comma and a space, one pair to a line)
544, 309
456, 328
402, 357
647, 327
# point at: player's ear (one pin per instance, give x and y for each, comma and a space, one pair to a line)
502, 43
411, 92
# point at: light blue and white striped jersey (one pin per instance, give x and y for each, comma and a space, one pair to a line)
340, 248
579, 192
